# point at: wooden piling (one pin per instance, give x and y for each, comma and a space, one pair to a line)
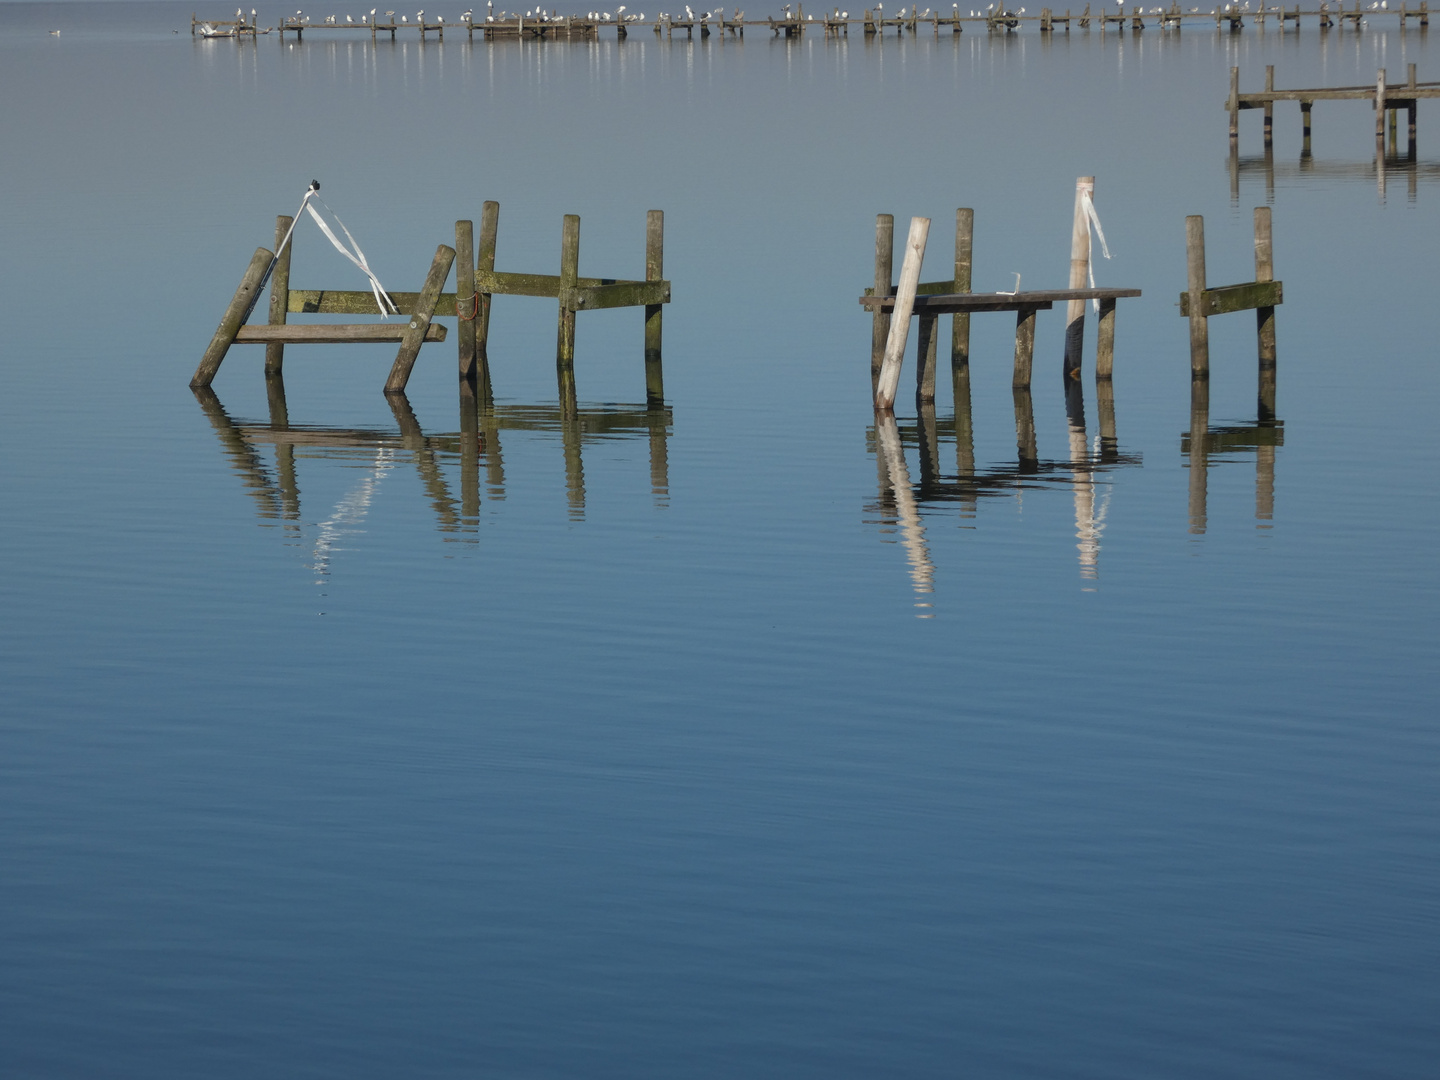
964, 262
467, 304
1380, 109
1079, 269
485, 261
1265, 316
1305, 109
925, 358
234, 318
279, 294
884, 286
1234, 101
1026, 447
1269, 106
1105, 341
420, 319
1024, 346
1195, 285
900, 321
565, 337
654, 271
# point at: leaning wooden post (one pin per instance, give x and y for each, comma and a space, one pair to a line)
884, 286
279, 293
233, 319
485, 265
900, 318
1265, 316
420, 320
964, 264
1195, 286
565, 336
654, 271
467, 304
1079, 269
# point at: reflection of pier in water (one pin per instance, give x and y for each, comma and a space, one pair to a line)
475, 448
1262, 437
902, 500
1381, 170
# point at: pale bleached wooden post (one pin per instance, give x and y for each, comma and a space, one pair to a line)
884, 284
467, 304
419, 323
234, 318
900, 319
279, 294
1079, 268
1195, 286
1265, 316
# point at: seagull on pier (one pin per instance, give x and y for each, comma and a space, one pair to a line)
689, 14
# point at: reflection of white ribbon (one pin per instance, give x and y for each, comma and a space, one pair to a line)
382, 297
1094, 220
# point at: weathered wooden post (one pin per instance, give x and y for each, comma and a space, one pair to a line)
279, 294
1195, 286
565, 344
1380, 112
1079, 268
1234, 101
1410, 110
420, 320
925, 357
900, 320
1265, 316
884, 286
964, 263
485, 264
234, 318
654, 271
467, 303
1305, 108
1105, 341
1027, 450
1269, 106
1024, 346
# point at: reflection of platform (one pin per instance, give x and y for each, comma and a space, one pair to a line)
477, 444
902, 501
1381, 170
1260, 438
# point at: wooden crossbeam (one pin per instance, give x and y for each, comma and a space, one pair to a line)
338, 334
1040, 300
1224, 299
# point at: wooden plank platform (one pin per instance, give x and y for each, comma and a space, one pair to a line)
338, 334
1040, 300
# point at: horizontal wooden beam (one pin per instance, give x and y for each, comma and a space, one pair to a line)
334, 334
506, 283
353, 302
1228, 298
621, 294
1038, 300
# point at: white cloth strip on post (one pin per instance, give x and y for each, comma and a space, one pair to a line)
382, 297
1094, 220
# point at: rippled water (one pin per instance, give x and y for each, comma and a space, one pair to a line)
345, 736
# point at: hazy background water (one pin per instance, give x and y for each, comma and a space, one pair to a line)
664, 776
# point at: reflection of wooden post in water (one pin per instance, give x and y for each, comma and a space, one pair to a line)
1265, 316
565, 344
412, 437
659, 423
1027, 452
1079, 268
912, 534
884, 286
964, 437
1264, 484
1234, 171
928, 436
485, 261
654, 313
1082, 483
494, 458
960, 321
469, 452
1199, 443
284, 451
279, 294
244, 458
1105, 403
571, 434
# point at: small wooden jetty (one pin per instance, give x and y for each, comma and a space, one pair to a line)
1262, 296
477, 283
889, 301
1387, 100
873, 23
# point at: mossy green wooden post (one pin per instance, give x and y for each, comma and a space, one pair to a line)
884, 286
654, 271
465, 300
420, 320
964, 261
565, 336
489, 226
279, 294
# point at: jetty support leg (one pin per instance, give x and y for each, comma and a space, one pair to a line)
1105, 342
964, 264
654, 313
1265, 316
279, 294
904, 306
485, 261
884, 286
1024, 347
1305, 107
466, 302
565, 334
1269, 106
234, 318
925, 356
420, 320
1195, 286
1234, 104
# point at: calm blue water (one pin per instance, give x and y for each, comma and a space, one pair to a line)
616, 747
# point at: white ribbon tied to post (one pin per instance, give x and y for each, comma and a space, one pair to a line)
382, 297
1094, 220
